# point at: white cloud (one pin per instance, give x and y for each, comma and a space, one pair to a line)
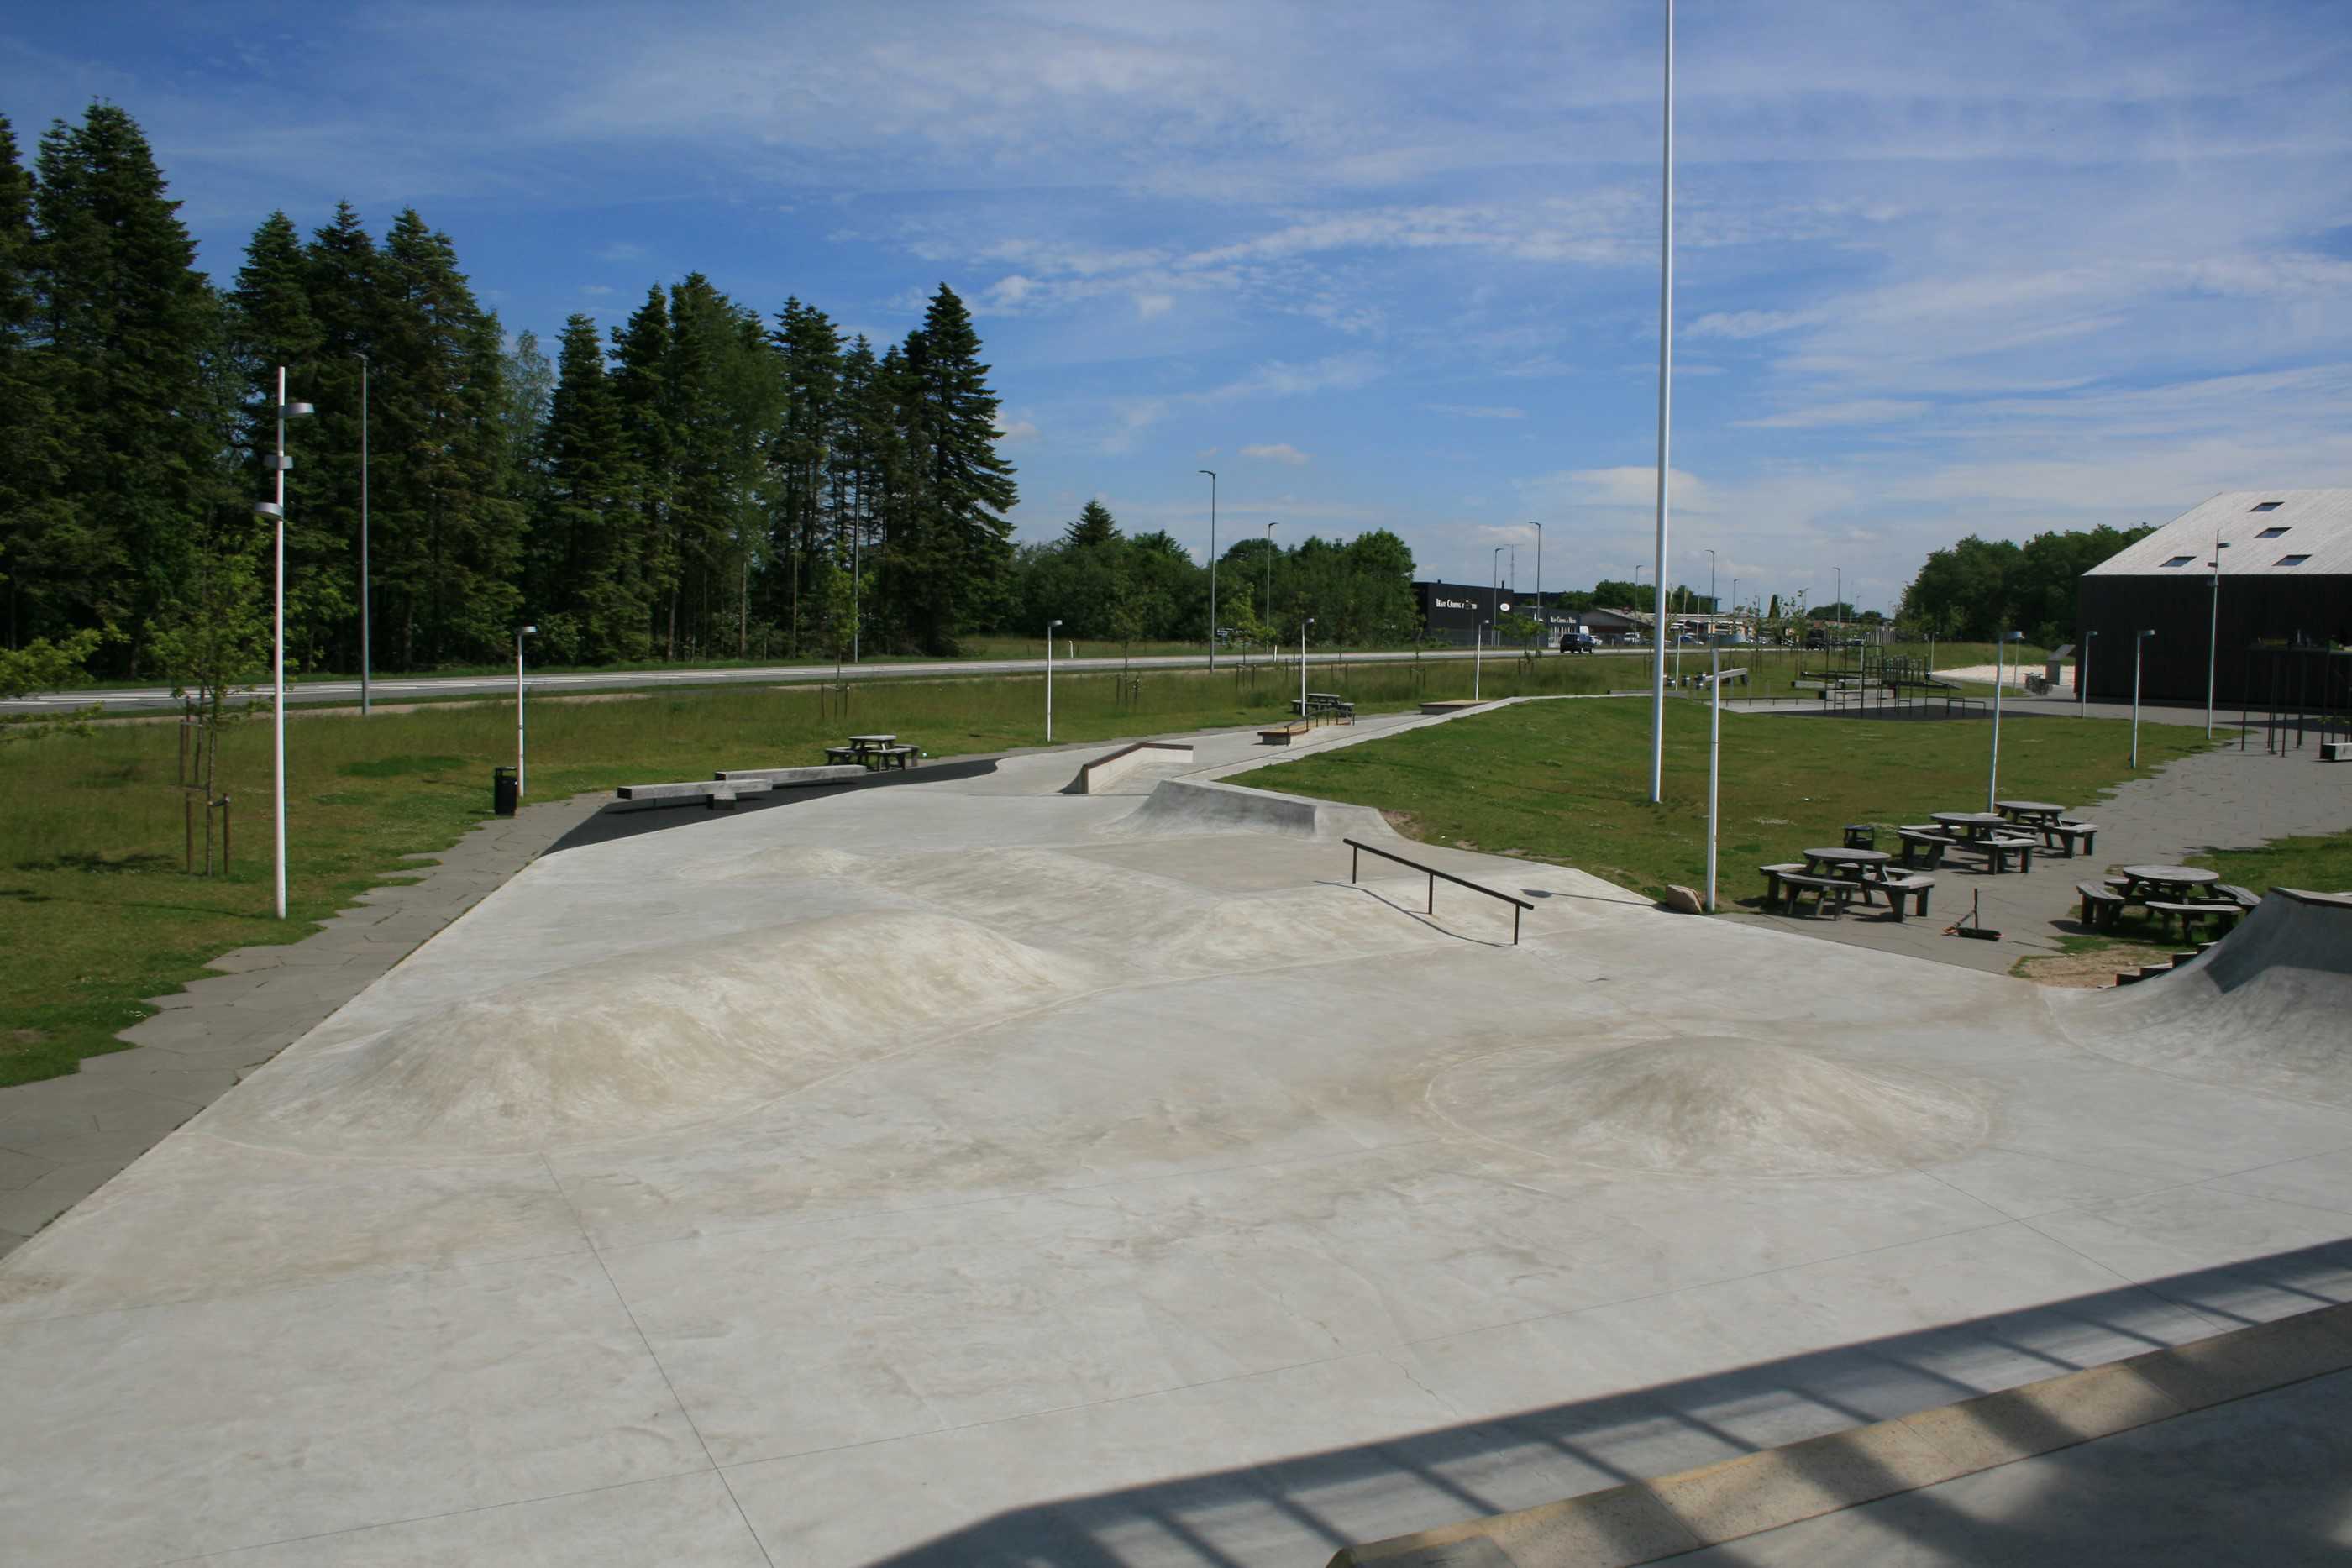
594, 288
1863, 410
1148, 306
1476, 410
1744, 324
1012, 430
1339, 373
1277, 452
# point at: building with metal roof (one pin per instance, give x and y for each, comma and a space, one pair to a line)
2282, 579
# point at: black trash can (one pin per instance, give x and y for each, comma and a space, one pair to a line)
503, 793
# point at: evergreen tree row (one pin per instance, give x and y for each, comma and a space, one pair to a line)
705, 484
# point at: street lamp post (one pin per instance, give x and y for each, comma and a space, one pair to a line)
2082, 677
275, 510
1477, 661
1303, 625
1269, 583
1540, 615
1840, 606
522, 774
2213, 631
1495, 594
366, 639
1666, 410
2000, 679
1714, 764
1212, 565
1051, 626
2138, 644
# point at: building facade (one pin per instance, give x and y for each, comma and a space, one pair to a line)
2284, 581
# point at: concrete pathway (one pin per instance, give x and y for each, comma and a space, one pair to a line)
2223, 799
62, 1138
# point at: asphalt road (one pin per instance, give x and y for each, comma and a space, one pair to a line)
413, 688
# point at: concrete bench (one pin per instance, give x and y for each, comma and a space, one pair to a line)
1897, 889
716, 794
1925, 851
1281, 734
791, 778
1828, 892
2069, 838
2244, 898
2101, 904
1999, 853
2222, 914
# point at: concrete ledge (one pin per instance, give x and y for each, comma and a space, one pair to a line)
792, 778
1454, 704
1645, 1521
1199, 805
1096, 777
695, 791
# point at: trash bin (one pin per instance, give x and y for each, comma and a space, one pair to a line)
503, 794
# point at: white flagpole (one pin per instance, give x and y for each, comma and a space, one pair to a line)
1666, 410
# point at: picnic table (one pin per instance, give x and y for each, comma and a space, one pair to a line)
2177, 882
1330, 703
873, 752
2033, 813
1858, 862
1972, 826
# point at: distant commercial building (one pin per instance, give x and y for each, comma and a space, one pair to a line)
2285, 582
1452, 612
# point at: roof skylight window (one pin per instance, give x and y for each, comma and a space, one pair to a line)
2180, 560
2271, 533
2293, 559
2268, 507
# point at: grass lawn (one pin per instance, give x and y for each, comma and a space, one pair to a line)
1567, 782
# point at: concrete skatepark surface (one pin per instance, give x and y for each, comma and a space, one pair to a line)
964, 1171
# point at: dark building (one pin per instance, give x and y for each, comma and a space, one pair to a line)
1452, 612
2285, 579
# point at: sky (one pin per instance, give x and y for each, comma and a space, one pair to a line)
1993, 268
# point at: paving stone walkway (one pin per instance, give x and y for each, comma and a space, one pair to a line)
62, 1138
2216, 800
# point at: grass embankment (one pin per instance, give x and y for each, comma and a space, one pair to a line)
1567, 782
96, 911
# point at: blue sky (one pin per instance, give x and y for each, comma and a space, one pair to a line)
1995, 267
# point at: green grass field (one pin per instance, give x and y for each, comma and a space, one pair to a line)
1567, 782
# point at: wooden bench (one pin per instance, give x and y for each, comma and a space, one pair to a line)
1281, 734
2068, 837
2101, 905
899, 756
2244, 898
714, 793
1772, 875
2224, 915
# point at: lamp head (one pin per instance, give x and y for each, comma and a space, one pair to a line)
527, 631
295, 410
1051, 624
269, 509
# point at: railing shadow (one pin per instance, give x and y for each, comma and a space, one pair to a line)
1297, 1511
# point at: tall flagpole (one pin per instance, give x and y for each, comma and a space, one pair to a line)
277, 658
1666, 410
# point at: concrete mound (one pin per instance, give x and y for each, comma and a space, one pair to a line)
2269, 1006
655, 1041
1715, 1106
785, 861
1203, 805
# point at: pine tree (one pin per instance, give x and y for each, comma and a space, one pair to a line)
949, 571
582, 567
640, 371
810, 348
127, 325
268, 324
340, 265
35, 516
451, 542
1095, 525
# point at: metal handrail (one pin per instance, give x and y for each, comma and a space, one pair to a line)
1357, 859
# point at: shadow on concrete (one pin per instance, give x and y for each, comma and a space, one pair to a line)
2272, 1505
629, 820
